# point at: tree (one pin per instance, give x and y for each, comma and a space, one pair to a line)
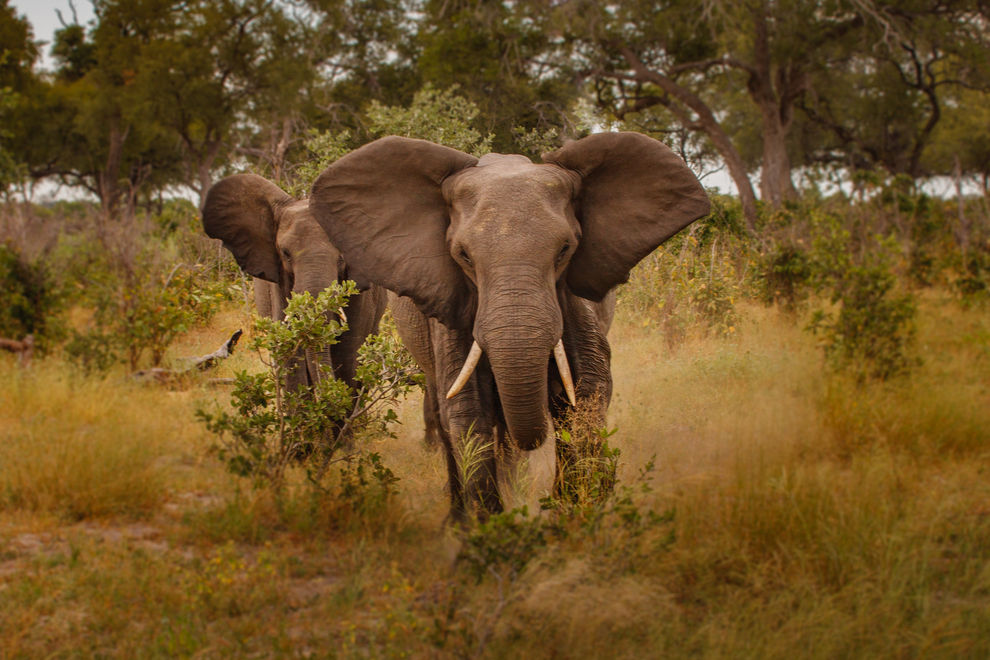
961, 144
222, 67
17, 55
495, 53
91, 127
18, 50
708, 66
885, 90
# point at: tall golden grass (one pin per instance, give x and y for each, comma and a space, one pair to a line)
790, 513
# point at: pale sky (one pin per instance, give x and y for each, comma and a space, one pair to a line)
42, 16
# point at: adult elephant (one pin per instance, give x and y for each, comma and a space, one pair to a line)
275, 238
507, 268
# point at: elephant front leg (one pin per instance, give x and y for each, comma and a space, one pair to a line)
589, 355
468, 421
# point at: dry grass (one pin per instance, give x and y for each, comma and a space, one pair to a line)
790, 515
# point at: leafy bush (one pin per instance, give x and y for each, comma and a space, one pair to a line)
139, 314
503, 543
441, 116
322, 150
444, 117
783, 275
872, 331
974, 280
586, 464
687, 284
272, 427
32, 299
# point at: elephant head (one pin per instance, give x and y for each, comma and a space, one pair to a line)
275, 238
494, 244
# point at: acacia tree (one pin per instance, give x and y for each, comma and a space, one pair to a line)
691, 59
91, 127
889, 86
17, 55
496, 55
222, 68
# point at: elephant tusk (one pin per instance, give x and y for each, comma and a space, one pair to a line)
341, 315
565, 371
469, 364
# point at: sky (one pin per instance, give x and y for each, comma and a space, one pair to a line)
44, 20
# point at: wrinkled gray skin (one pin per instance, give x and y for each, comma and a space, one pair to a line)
513, 255
275, 238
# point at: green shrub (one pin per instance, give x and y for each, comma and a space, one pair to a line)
872, 332
272, 427
974, 279
503, 544
441, 116
32, 299
586, 465
783, 276
687, 284
444, 117
138, 314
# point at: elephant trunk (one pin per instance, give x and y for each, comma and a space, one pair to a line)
517, 330
306, 370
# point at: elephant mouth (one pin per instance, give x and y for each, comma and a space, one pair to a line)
559, 356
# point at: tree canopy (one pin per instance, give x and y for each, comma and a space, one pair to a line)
155, 94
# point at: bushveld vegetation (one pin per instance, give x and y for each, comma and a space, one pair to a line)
796, 461
795, 464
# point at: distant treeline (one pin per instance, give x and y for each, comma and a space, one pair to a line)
152, 94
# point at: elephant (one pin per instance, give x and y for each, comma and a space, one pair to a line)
275, 239
506, 270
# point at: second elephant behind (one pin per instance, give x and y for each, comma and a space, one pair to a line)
275, 238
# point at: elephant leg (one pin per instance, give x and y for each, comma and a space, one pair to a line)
431, 417
268, 299
469, 420
364, 311
463, 425
414, 330
589, 356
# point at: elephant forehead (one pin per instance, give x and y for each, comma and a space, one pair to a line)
298, 224
511, 182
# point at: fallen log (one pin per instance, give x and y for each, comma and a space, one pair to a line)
24, 348
196, 364
211, 360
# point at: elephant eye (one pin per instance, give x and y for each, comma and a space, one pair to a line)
563, 252
465, 258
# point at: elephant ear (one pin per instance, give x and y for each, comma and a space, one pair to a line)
635, 194
241, 211
382, 206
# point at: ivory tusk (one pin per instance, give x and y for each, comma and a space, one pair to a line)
565, 371
341, 315
469, 364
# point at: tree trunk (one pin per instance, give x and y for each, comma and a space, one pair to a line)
962, 237
108, 179
776, 186
775, 103
705, 122
204, 171
281, 147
